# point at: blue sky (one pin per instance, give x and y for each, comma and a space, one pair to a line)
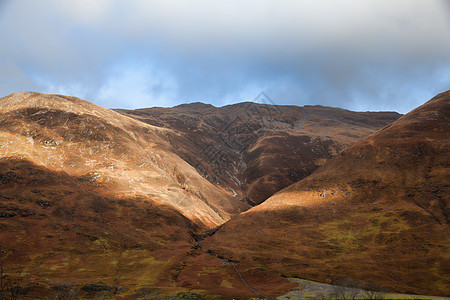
355, 54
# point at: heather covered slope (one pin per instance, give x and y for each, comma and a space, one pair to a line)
254, 150
64, 231
377, 211
106, 149
88, 195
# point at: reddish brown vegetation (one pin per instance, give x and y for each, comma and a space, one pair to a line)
93, 201
257, 149
379, 210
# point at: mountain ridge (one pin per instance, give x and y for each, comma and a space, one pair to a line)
253, 150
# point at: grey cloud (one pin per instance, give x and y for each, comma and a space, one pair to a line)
366, 55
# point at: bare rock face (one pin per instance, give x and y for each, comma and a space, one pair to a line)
254, 150
379, 210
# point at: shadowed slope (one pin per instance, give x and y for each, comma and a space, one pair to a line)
254, 150
62, 229
379, 210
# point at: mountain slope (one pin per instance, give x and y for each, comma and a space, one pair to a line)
108, 150
254, 150
89, 195
377, 211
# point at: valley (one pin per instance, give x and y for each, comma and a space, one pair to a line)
204, 201
253, 150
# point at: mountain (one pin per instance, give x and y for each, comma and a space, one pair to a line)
87, 194
155, 202
108, 151
377, 211
254, 150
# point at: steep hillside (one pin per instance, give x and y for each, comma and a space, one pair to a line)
88, 195
254, 150
377, 211
109, 151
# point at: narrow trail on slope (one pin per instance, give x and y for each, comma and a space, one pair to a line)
242, 279
197, 246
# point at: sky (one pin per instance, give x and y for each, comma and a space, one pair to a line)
363, 55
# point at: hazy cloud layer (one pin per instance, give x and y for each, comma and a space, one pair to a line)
360, 55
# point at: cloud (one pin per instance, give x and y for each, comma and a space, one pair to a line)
133, 85
373, 54
84, 12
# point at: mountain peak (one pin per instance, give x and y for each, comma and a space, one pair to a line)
195, 106
50, 101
